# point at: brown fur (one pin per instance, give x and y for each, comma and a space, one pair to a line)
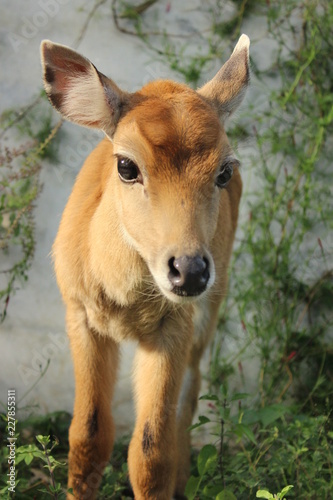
112, 252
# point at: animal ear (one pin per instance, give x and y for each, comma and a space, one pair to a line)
78, 91
227, 89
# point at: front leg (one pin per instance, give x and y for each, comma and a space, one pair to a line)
91, 432
205, 321
160, 366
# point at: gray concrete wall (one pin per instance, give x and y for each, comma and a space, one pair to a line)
34, 330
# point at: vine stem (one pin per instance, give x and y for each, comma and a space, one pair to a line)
145, 34
221, 464
300, 72
34, 385
86, 24
55, 494
21, 115
33, 157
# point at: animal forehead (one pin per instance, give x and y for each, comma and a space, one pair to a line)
176, 121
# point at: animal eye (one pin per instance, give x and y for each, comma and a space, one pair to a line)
223, 178
128, 171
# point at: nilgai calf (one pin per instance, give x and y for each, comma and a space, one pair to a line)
142, 253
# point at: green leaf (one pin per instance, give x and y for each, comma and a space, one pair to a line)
240, 395
206, 459
224, 390
269, 414
202, 420
211, 490
46, 492
264, 494
285, 491
192, 487
56, 489
28, 459
242, 430
55, 462
43, 440
209, 397
251, 417
226, 495
28, 453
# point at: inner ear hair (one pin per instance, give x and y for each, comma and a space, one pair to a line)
79, 91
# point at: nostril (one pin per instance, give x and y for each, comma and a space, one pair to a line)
174, 275
202, 271
205, 272
172, 265
189, 275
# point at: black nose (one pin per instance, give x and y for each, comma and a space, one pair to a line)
188, 275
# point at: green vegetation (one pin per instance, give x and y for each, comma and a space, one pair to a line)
276, 324
33, 133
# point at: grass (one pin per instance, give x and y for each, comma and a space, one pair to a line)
271, 438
